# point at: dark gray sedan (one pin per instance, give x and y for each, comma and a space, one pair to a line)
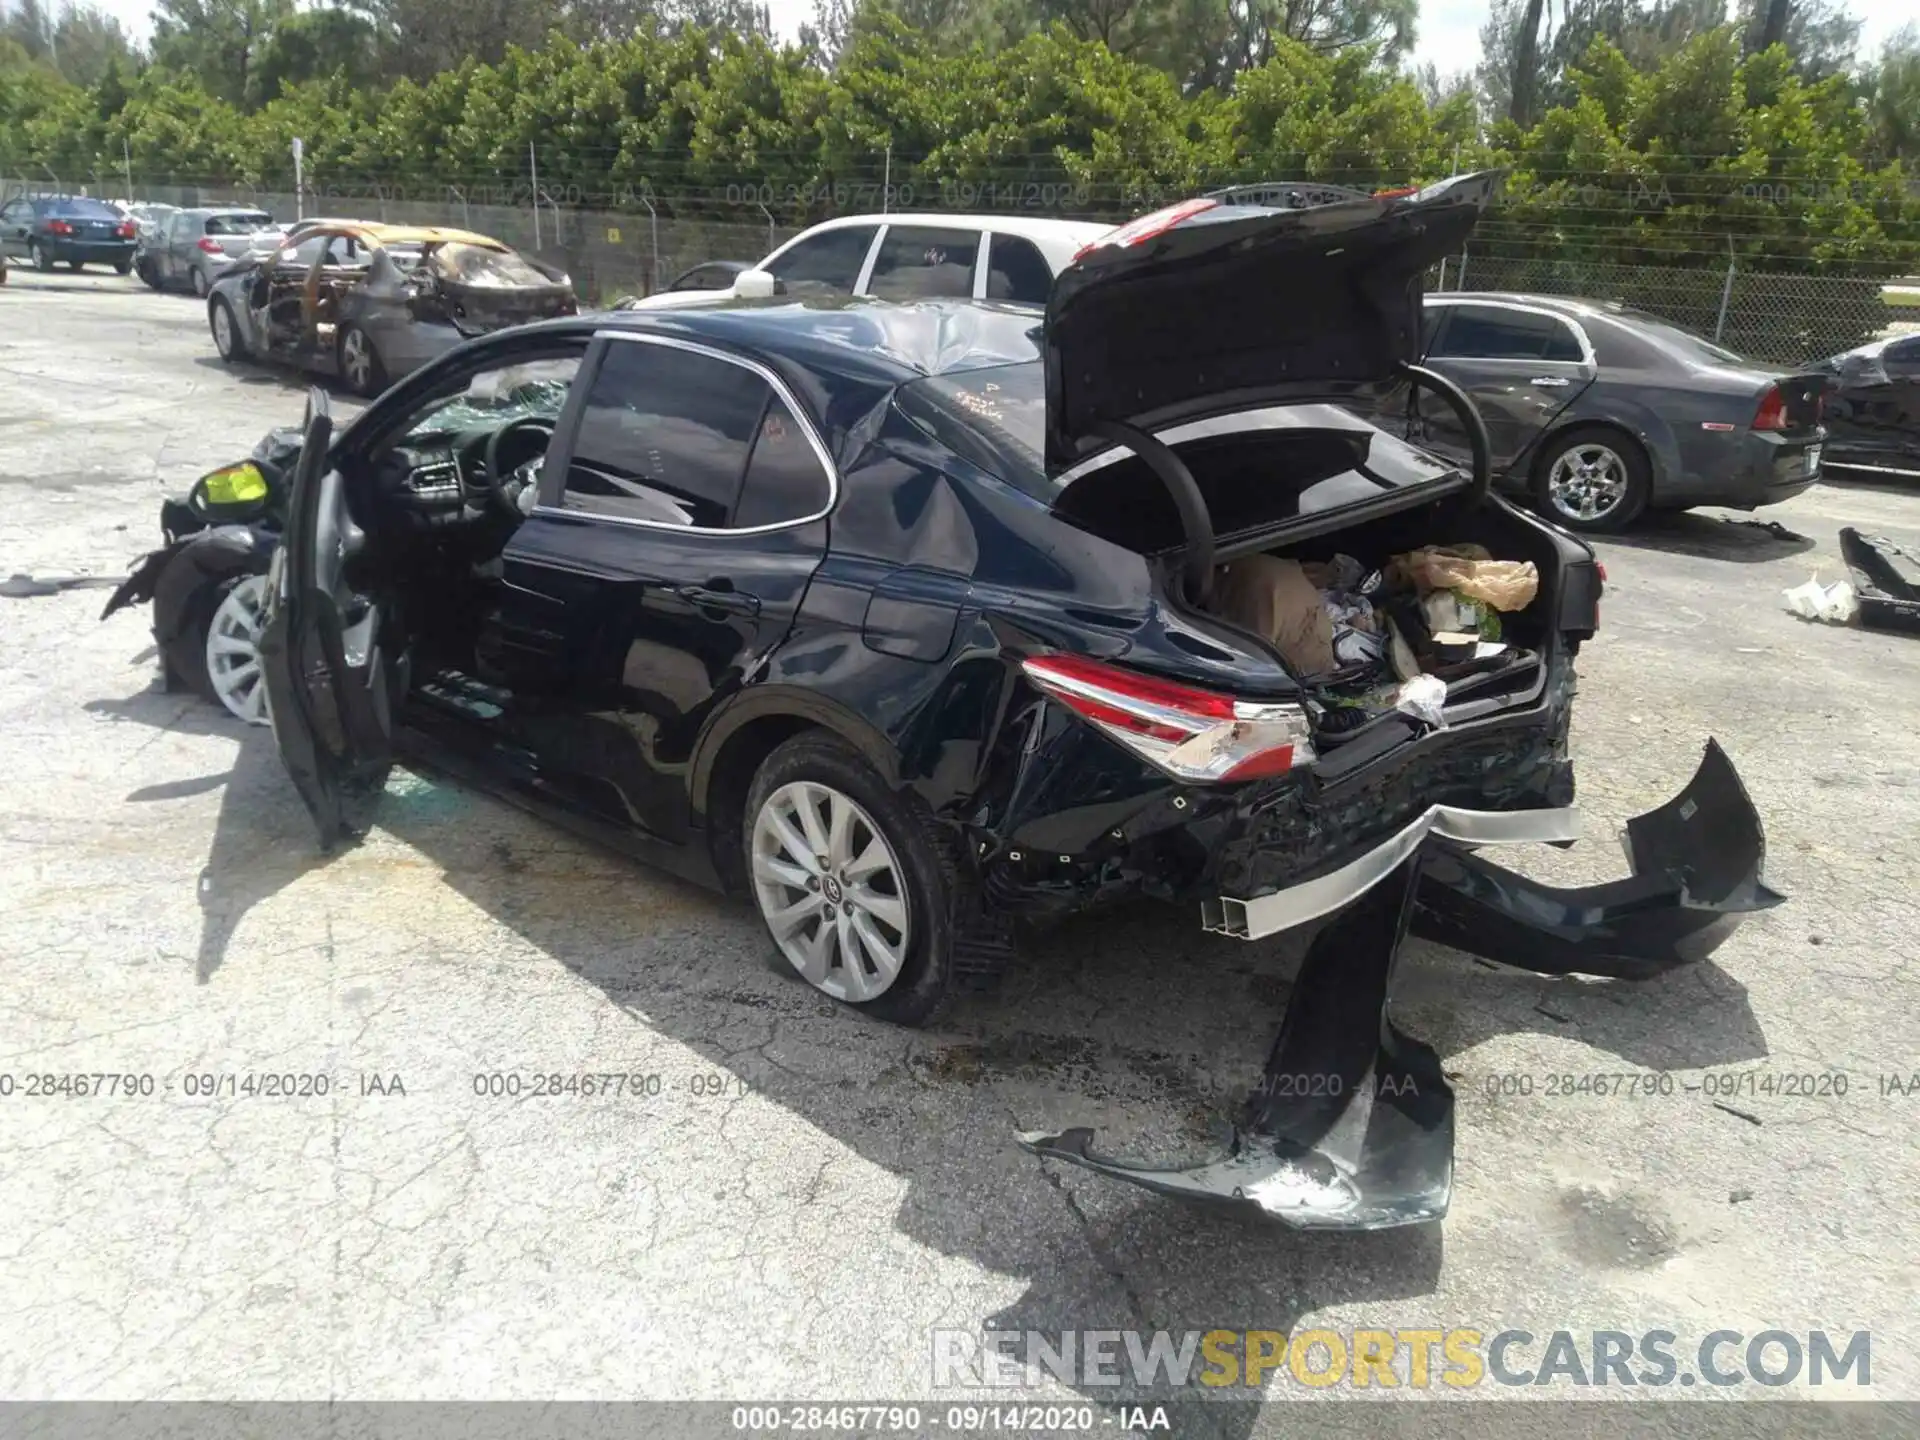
1598, 412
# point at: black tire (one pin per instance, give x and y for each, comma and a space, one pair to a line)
236, 350
42, 261
186, 658
1632, 460
123, 267
930, 883
198, 279
148, 275
76, 266
375, 378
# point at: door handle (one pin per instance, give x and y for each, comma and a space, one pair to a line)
718, 596
1558, 382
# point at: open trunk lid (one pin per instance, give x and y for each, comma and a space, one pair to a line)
1207, 309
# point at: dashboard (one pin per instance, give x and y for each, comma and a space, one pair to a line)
440, 479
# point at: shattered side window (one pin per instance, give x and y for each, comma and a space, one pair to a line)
493, 397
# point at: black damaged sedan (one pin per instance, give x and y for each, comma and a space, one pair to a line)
900, 621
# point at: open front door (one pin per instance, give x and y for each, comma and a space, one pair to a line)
330, 658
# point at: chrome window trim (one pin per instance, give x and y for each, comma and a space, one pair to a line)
778, 386
1447, 302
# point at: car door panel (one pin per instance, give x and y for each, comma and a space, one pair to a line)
1519, 396
332, 660
629, 613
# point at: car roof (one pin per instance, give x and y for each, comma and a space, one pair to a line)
882, 342
1033, 227
378, 235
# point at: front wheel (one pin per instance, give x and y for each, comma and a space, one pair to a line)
1592, 479
849, 881
360, 363
224, 664
76, 266
226, 330
200, 286
151, 277
42, 261
123, 267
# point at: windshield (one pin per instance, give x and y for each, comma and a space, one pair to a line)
247, 223
494, 397
488, 269
84, 209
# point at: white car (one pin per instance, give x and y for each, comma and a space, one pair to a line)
904, 257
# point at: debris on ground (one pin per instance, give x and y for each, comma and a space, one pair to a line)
1833, 603
27, 587
1887, 581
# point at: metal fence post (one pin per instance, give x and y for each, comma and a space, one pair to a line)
1726, 295
1442, 285
1460, 280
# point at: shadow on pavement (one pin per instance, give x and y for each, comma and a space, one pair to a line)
1744, 540
1131, 1019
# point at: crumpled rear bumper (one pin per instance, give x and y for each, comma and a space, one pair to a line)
1351, 1124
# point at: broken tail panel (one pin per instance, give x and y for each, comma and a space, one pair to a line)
1350, 1126
1696, 877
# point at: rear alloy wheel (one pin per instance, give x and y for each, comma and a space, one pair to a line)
233, 650
42, 261
1592, 480
200, 282
360, 363
226, 330
851, 888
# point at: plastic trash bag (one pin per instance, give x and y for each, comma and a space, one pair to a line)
1469, 571
1835, 603
1425, 698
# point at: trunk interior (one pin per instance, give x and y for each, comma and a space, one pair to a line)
1515, 676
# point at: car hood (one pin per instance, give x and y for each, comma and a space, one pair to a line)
1207, 309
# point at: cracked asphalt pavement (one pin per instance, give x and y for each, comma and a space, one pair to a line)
789, 1200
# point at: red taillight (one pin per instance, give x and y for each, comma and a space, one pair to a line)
1603, 573
1772, 414
210, 245
1196, 735
1148, 227
127, 230
59, 227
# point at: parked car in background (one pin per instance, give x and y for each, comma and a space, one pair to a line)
370, 303
70, 230
714, 275
1598, 412
905, 257
191, 247
147, 215
1873, 409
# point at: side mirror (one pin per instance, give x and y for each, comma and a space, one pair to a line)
755, 285
234, 493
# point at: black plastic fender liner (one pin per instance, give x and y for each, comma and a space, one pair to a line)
1350, 1126
1696, 877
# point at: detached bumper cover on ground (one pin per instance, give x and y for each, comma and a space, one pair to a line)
1351, 1124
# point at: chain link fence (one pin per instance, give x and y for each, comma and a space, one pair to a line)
1777, 318
1782, 319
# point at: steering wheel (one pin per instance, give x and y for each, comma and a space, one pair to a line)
497, 455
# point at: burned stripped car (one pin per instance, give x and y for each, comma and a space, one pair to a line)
902, 621
371, 303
